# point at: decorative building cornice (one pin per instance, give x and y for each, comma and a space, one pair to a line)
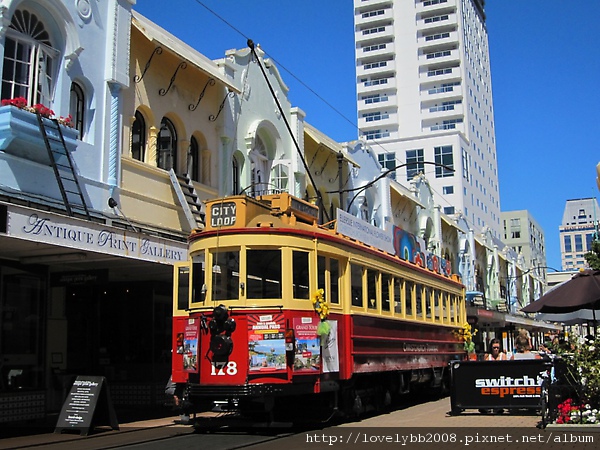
4, 18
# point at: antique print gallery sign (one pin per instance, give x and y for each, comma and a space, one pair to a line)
54, 229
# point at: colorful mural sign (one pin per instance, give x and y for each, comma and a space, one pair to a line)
413, 249
397, 241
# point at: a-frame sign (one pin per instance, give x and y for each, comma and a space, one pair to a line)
88, 405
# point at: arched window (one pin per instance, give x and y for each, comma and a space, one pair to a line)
138, 137
235, 177
259, 176
30, 61
77, 107
194, 160
166, 151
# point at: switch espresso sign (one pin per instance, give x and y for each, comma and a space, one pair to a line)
222, 214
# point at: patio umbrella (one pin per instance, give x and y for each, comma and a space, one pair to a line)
580, 292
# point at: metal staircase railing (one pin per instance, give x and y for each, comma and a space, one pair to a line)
189, 200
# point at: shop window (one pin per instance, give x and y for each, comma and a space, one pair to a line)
20, 331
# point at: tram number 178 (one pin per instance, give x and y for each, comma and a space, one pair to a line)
224, 369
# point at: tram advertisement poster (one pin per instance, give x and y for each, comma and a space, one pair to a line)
266, 342
190, 346
308, 346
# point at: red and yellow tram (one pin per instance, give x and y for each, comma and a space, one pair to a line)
273, 311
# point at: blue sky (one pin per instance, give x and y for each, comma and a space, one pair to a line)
545, 80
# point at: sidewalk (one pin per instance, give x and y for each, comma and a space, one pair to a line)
435, 414
49, 438
428, 414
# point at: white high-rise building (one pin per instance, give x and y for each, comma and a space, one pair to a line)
424, 94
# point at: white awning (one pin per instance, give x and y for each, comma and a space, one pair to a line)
395, 186
166, 40
530, 322
328, 143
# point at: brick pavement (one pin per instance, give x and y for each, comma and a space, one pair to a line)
435, 414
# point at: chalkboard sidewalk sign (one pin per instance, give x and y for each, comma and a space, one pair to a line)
88, 405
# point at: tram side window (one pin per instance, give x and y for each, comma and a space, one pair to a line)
356, 285
398, 295
385, 292
372, 276
331, 285
452, 312
419, 300
183, 287
409, 289
300, 275
263, 269
334, 280
321, 275
198, 286
441, 299
429, 312
226, 275
410, 298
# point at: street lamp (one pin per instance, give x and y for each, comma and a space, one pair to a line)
521, 275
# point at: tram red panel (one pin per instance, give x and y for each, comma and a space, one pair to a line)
229, 369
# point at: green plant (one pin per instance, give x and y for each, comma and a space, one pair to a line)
582, 356
593, 257
465, 334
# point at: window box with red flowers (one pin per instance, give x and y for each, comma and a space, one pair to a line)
20, 134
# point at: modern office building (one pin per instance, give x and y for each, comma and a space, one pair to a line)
579, 224
424, 95
525, 236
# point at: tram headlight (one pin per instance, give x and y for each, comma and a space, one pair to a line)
220, 317
229, 326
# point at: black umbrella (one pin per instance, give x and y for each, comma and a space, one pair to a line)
580, 292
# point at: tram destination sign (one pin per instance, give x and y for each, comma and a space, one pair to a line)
223, 214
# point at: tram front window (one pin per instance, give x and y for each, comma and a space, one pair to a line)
263, 268
226, 275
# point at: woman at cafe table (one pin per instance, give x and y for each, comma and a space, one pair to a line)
523, 347
496, 354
